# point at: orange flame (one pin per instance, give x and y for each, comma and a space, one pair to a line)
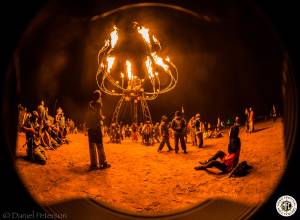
110, 62
149, 67
159, 61
129, 73
155, 39
114, 36
145, 33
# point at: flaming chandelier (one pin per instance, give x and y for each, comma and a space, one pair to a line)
118, 78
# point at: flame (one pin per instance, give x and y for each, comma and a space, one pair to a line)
129, 73
159, 61
110, 62
149, 67
114, 36
122, 75
145, 33
155, 39
168, 59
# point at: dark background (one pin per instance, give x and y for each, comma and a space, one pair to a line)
228, 58
15, 20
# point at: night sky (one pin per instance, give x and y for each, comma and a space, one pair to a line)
227, 58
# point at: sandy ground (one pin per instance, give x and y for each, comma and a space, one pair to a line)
146, 182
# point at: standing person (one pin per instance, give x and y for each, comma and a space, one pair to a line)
192, 131
164, 130
179, 127
247, 119
42, 111
199, 130
219, 124
146, 133
273, 113
251, 120
156, 132
135, 134
95, 132
237, 121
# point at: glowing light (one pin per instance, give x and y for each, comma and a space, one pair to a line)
129, 72
106, 43
155, 39
114, 36
121, 77
149, 67
159, 61
145, 33
110, 62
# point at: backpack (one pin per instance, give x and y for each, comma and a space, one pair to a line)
242, 169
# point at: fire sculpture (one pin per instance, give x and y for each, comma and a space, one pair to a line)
117, 77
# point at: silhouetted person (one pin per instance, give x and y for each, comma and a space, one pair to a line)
179, 128
218, 124
251, 120
247, 119
164, 130
95, 132
236, 121
274, 113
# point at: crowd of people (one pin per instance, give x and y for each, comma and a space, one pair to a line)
43, 131
149, 133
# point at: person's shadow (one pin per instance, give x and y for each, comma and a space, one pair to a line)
260, 129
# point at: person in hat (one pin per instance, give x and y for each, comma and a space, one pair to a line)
227, 161
95, 118
178, 126
164, 130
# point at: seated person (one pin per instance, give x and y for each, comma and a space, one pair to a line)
229, 160
32, 129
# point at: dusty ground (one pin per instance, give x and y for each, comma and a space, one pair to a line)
144, 181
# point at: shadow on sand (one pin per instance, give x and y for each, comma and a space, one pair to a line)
260, 129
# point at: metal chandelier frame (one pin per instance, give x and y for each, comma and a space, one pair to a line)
132, 87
